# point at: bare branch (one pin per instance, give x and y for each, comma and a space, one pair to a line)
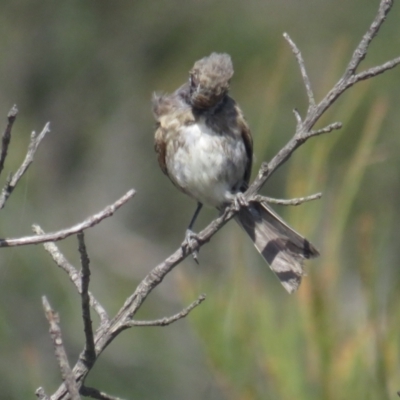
90, 352
300, 61
73, 230
169, 320
12, 115
96, 394
361, 51
304, 129
33, 146
291, 202
73, 274
55, 333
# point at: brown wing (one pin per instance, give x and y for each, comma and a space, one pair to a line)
248, 143
165, 110
160, 148
161, 106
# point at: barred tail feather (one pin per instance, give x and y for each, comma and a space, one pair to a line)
282, 247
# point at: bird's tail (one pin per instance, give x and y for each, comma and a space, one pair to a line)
282, 248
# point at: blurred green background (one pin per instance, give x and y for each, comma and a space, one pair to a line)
90, 67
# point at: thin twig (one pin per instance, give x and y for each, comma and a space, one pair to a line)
300, 61
169, 320
73, 274
298, 119
61, 355
327, 129
90, 351
96, 394
374, 71
73, 230
283, 202
33, 146
5, 141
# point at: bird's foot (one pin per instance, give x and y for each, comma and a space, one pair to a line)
190, 243
240, 201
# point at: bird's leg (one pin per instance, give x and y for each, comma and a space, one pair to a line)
190, 237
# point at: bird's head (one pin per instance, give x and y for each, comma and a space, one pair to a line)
209, 80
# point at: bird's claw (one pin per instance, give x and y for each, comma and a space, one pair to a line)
190, 243
240, 201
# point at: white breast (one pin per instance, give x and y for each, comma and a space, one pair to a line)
208, 166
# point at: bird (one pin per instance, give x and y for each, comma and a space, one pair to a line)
204, 145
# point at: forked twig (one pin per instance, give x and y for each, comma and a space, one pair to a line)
13, 180
73, 274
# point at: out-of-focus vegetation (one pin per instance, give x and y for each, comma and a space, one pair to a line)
90, 68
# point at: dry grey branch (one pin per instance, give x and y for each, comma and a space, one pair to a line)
5, 141
292, 202
169, 320
90, 352
61, 355
73, 274
13, 180
73, 230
